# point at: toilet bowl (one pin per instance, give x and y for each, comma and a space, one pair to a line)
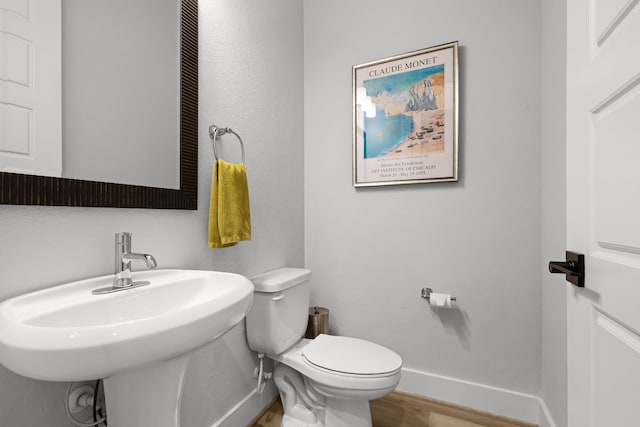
324, 382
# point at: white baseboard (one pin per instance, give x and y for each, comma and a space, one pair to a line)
246, 410
499, 401
545, 418
509, 403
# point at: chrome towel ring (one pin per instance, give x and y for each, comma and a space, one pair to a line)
215, 132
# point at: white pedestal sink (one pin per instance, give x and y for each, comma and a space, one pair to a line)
138, 340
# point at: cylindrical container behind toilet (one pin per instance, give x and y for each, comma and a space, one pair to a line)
318, 322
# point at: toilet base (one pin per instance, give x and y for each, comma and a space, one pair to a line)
305, 406
347, 413
338, 413
288, 421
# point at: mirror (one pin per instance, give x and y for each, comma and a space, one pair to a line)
23, 189
120, 97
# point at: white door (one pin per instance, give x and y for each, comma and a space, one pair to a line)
603, 211
30, 87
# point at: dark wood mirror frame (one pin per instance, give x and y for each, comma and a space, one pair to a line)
19, 189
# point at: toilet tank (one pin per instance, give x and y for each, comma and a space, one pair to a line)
280, 310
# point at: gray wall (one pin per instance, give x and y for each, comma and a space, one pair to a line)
371, 250
554, 321
251, 80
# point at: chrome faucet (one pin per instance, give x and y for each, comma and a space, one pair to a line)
123, 259
122, 266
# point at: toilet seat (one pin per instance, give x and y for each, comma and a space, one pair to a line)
371, 382
351, 356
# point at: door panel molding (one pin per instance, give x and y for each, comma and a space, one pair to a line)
604, 31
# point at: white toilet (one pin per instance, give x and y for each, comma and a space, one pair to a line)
325, 382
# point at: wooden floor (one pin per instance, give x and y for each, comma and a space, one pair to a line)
399, 409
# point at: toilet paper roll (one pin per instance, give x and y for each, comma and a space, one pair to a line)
439, 300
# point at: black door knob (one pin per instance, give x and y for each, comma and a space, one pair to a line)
572, 268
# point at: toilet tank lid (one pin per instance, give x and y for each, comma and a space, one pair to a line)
280, 279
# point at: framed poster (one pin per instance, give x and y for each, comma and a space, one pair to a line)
405, 118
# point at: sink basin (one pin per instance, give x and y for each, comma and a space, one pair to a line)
65, 333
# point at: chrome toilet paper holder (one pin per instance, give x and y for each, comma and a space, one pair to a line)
426, 294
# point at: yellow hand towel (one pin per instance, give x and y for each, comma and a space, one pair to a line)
229, 216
